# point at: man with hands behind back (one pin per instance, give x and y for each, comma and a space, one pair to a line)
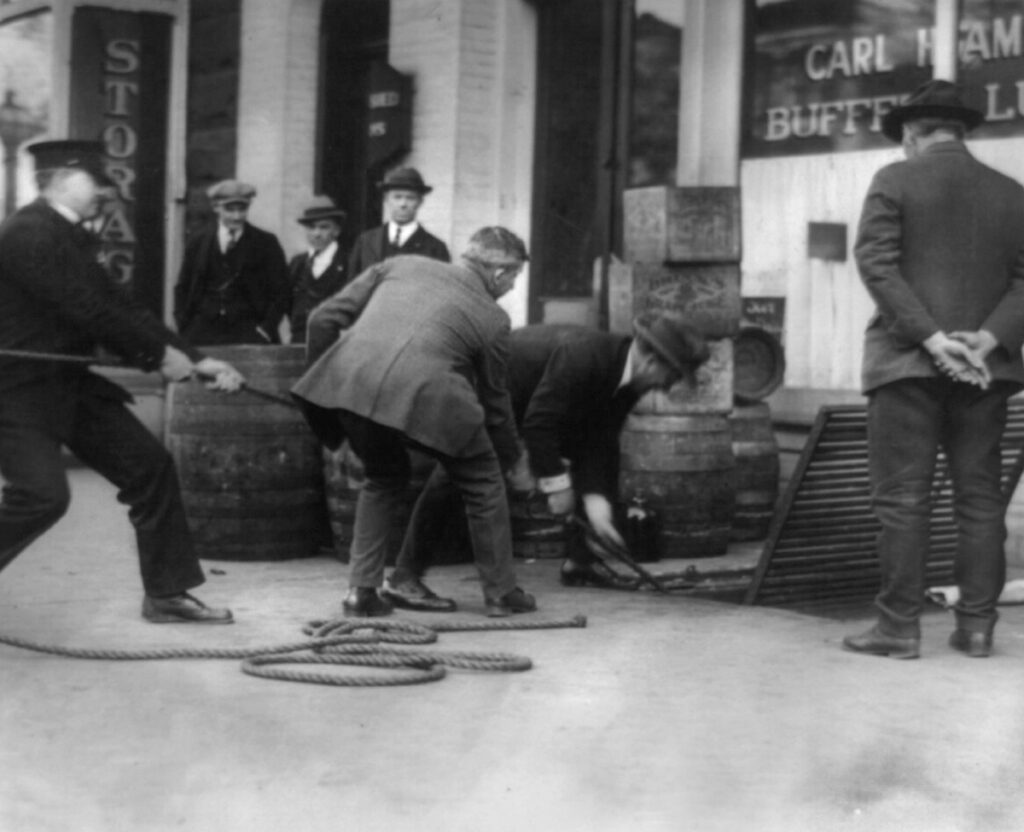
940, 248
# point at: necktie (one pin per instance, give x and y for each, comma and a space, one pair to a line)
396, 241
232, 241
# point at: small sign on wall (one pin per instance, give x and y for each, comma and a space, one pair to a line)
768, 313
388, 114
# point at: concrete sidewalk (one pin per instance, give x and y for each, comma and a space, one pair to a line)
664, 714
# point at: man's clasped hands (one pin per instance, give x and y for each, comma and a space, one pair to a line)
961, 355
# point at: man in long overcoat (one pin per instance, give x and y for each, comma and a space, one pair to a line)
940, 248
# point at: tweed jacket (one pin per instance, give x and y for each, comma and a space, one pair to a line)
263, 270
563, 380
371, 247
309, 292
940, 246
56, 297
416, 345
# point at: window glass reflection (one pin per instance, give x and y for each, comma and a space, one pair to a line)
654, 125
25, 92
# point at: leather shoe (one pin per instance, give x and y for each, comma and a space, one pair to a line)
413, 594
876, 643
975, 645
365, 602
510, 603
578, 573
183, 608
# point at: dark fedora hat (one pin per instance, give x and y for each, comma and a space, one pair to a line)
676, 342
404, 179
933, 99
72, 153
322, 208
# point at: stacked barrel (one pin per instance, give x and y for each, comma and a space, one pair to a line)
679, 447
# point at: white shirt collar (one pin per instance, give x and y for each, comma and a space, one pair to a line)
71, 216
223, 235
322, 259
627, 371
406, 230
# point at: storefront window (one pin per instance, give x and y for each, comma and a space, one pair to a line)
26, 44
820, 76
654, 124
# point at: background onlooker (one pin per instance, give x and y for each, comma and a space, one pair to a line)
319, 272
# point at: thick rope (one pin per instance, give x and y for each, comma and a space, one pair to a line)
342, 641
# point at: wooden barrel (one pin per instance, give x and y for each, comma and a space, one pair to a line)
249, 467
536, 533
757, 470
344, 477
759, 364
683, 467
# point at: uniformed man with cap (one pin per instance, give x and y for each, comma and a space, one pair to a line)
233, 284
318, 273
572, 388
57, 300
403, 190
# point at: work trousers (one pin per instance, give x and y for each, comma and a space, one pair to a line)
107, 437
478, 479
908, 422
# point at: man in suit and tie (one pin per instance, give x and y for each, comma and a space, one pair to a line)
412, 354
403, 190
572, 388
233, 284
320, 272
940, 248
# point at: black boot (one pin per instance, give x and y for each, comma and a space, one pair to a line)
365, 602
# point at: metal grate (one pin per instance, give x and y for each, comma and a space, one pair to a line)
821, 543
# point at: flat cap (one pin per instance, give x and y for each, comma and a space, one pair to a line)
231, 190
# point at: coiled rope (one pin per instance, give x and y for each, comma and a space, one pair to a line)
342, 641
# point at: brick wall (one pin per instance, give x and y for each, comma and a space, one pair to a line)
277, 111
472, 62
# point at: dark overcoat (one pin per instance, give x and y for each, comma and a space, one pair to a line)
372, 246
563, 380
55, 297
263, 277
940, 247
308, 292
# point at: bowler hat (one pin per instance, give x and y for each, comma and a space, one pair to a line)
229, 191
322, 208
72, 153
933, 99
404, 179
676, 342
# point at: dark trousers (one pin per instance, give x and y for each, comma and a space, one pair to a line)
908, 421
478, 479
106, 436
